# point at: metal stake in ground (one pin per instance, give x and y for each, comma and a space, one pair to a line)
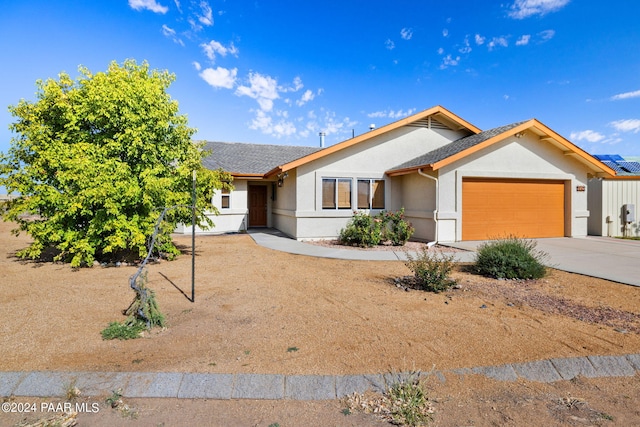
193, 241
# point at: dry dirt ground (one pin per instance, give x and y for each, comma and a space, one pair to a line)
253, 305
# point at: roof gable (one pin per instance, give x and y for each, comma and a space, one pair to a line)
439, 113
464, 147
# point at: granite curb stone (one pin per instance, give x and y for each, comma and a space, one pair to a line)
348, 384
10, 381
307, 387
634, 359
542, 371
570, 368
500, 373
295, 387
612, 366
208, 386
262, 386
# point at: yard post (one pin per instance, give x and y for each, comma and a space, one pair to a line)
193, 240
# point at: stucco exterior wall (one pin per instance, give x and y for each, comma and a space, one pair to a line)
367, 160
284, 205
524, 158
607, 197
229, 220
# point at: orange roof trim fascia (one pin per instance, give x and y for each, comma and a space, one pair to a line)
533, 123
372, 134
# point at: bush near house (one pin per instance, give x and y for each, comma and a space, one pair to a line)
365, 230
511, 258
431, 270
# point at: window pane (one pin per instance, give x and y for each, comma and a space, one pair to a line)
363, 193
378, 194
344, 194
225, 201
328, 194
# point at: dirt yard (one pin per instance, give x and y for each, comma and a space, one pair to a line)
253, 306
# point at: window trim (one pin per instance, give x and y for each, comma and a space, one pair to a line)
336, 193
371, 192
225, 194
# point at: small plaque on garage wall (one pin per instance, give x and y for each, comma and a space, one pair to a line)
581, 188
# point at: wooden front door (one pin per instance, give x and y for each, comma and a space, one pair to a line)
257, 206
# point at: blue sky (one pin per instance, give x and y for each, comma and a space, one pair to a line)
281, 71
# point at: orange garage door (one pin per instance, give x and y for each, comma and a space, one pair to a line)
498, 207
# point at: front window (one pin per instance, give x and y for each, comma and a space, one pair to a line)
336, 193
370, 194
226, 199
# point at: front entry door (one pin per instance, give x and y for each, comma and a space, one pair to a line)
257, 206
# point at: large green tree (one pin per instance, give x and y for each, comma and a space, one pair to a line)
96, 159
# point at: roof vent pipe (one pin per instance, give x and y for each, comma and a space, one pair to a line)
372, 126
322, 135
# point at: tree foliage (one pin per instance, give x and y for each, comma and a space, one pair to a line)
95, 159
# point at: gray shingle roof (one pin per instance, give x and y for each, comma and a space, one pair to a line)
455, 147
242, 158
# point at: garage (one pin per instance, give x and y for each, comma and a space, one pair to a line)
525, 208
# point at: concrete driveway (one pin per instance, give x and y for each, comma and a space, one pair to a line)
608, 258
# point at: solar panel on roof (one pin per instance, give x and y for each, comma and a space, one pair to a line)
633, 167
613, 165
609, 157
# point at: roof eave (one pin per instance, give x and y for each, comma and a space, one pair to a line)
437, 110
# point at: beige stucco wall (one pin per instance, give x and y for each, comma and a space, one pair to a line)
228, 220
366, 160
526, 157
606, 198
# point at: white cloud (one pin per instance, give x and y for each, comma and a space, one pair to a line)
406, 33
521, 9
265, 124
392, 114
295, 86
449, 61
479, 39
197, 65
445, 33
498, 42
467, 46
307, 96
587, 135
546, 35
210, 49
630, 125
626, 95
389, 44
219, 77
171, 33
149, 5
207, 14
440, 51
263, 89
523, 40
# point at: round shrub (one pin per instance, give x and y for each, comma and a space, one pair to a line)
361, 230
510, 258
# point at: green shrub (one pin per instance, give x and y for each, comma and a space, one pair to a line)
366, 231
395, 228
123, 331
511, 258
432, 270
361, 230
409, 404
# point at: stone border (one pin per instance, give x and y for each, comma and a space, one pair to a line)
293, 387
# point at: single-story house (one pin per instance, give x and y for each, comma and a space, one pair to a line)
613, 201
455, 181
